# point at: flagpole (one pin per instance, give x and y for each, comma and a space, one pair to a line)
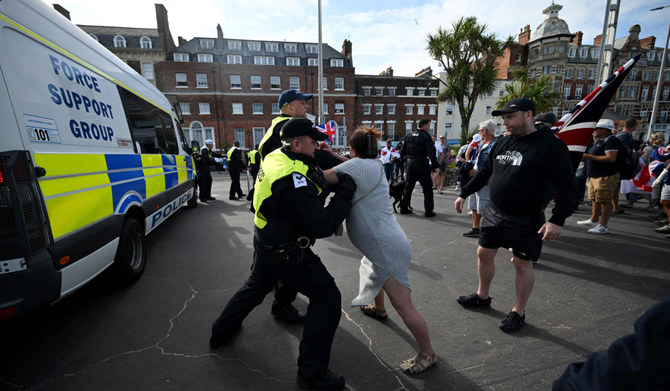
320, 71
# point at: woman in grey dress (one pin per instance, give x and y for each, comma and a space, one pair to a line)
374, 230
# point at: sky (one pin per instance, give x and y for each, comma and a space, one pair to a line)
384, 33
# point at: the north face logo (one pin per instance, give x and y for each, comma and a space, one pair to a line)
513, 158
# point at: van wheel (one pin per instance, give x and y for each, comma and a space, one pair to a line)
131, 255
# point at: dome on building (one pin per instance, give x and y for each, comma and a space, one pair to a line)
552, 25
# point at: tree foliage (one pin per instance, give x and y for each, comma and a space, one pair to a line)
538, 90
469, 56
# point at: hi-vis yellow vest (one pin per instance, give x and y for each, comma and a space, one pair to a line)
252, 157
230, 153
275, 166
268, 134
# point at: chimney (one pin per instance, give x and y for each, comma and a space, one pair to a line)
346, 50
577, 39
219, 31
387, 72
62, 11
597, 40
167, 43
648, 43
524, 35
180, 40
425, 72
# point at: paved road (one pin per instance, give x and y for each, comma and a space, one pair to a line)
153, 335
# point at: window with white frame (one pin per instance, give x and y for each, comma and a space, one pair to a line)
311, 49
254, 46
409, 110
185, 108
148, 70
422, 91
275, 108
291, 47
580, 73
367, 109
391, 91
568, 73
313, 62
234, 45
559, 69
255, 82
448, 109
420, 110
200, 80
180, 79
378, 126
666, 93
410, 91
409, 126
391, 109
256, 108
336, 62
578, 91
234, 59
271, 46
583, 52
292, 61
379, 91
433, 92
566, 92
367, 91
145, 43
258, 134
432, 110
325, 108
645, 93
206, 43
237, 108
518, 57
591, 73
205, 57
546, 69
379, 109
196, 132
239, 137
325, 82
390, 129
180, 57
203, 108
572, 52
119, 41
339, 83
264, 60
549, 49
275, 82
235, 81
339, 108
595, 52
294, 83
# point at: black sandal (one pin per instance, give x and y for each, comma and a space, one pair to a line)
370, 311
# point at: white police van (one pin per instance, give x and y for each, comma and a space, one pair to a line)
92, 159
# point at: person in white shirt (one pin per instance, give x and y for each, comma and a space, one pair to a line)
387, 153
439, 152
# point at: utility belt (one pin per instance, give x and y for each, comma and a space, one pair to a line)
280, 254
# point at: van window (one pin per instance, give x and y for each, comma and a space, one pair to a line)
150, 128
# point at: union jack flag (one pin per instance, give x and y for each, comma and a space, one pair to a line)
577, 126
329, 129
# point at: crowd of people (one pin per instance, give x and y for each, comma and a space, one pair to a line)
507, 181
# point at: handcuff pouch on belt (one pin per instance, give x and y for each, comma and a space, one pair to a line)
280, 253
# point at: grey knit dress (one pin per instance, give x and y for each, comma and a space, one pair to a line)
374, 230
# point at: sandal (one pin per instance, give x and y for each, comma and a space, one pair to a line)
418, 364
371, 311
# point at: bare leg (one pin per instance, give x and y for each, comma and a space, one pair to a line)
399, 295
476, 219
379, 302
486, 269
606, 212
525, 280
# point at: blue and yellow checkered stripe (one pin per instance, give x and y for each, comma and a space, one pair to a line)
80, 189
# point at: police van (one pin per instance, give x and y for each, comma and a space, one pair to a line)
92, 159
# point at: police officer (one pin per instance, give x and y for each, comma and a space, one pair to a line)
204, 176
254, 162
290, 214
235, 166
419, 147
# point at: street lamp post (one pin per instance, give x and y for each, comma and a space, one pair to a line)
657, 95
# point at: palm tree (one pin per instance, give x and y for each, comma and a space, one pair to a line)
469, 56
538, 90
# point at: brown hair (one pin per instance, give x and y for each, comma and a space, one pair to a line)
364, 142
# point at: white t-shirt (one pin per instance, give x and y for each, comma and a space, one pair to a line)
386, 155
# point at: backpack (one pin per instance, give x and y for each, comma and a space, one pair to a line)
630, 163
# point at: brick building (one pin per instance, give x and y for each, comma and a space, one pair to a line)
395, 104
227, 89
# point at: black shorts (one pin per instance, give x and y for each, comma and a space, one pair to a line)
518, 232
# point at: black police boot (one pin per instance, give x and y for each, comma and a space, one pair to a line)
287, 313
328, 381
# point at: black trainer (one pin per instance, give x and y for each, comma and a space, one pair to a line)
474, 301
473, 233
329, 381
287, 313
512, 322
429, 214
405, 211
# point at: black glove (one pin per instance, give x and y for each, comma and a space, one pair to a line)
346, 186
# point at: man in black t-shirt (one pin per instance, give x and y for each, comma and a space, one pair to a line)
603, 167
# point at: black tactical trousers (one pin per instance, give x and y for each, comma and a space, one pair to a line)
418, 169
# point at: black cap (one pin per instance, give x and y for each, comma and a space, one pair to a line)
296, 127
236, 143
516, 104
549, 118
289, 96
